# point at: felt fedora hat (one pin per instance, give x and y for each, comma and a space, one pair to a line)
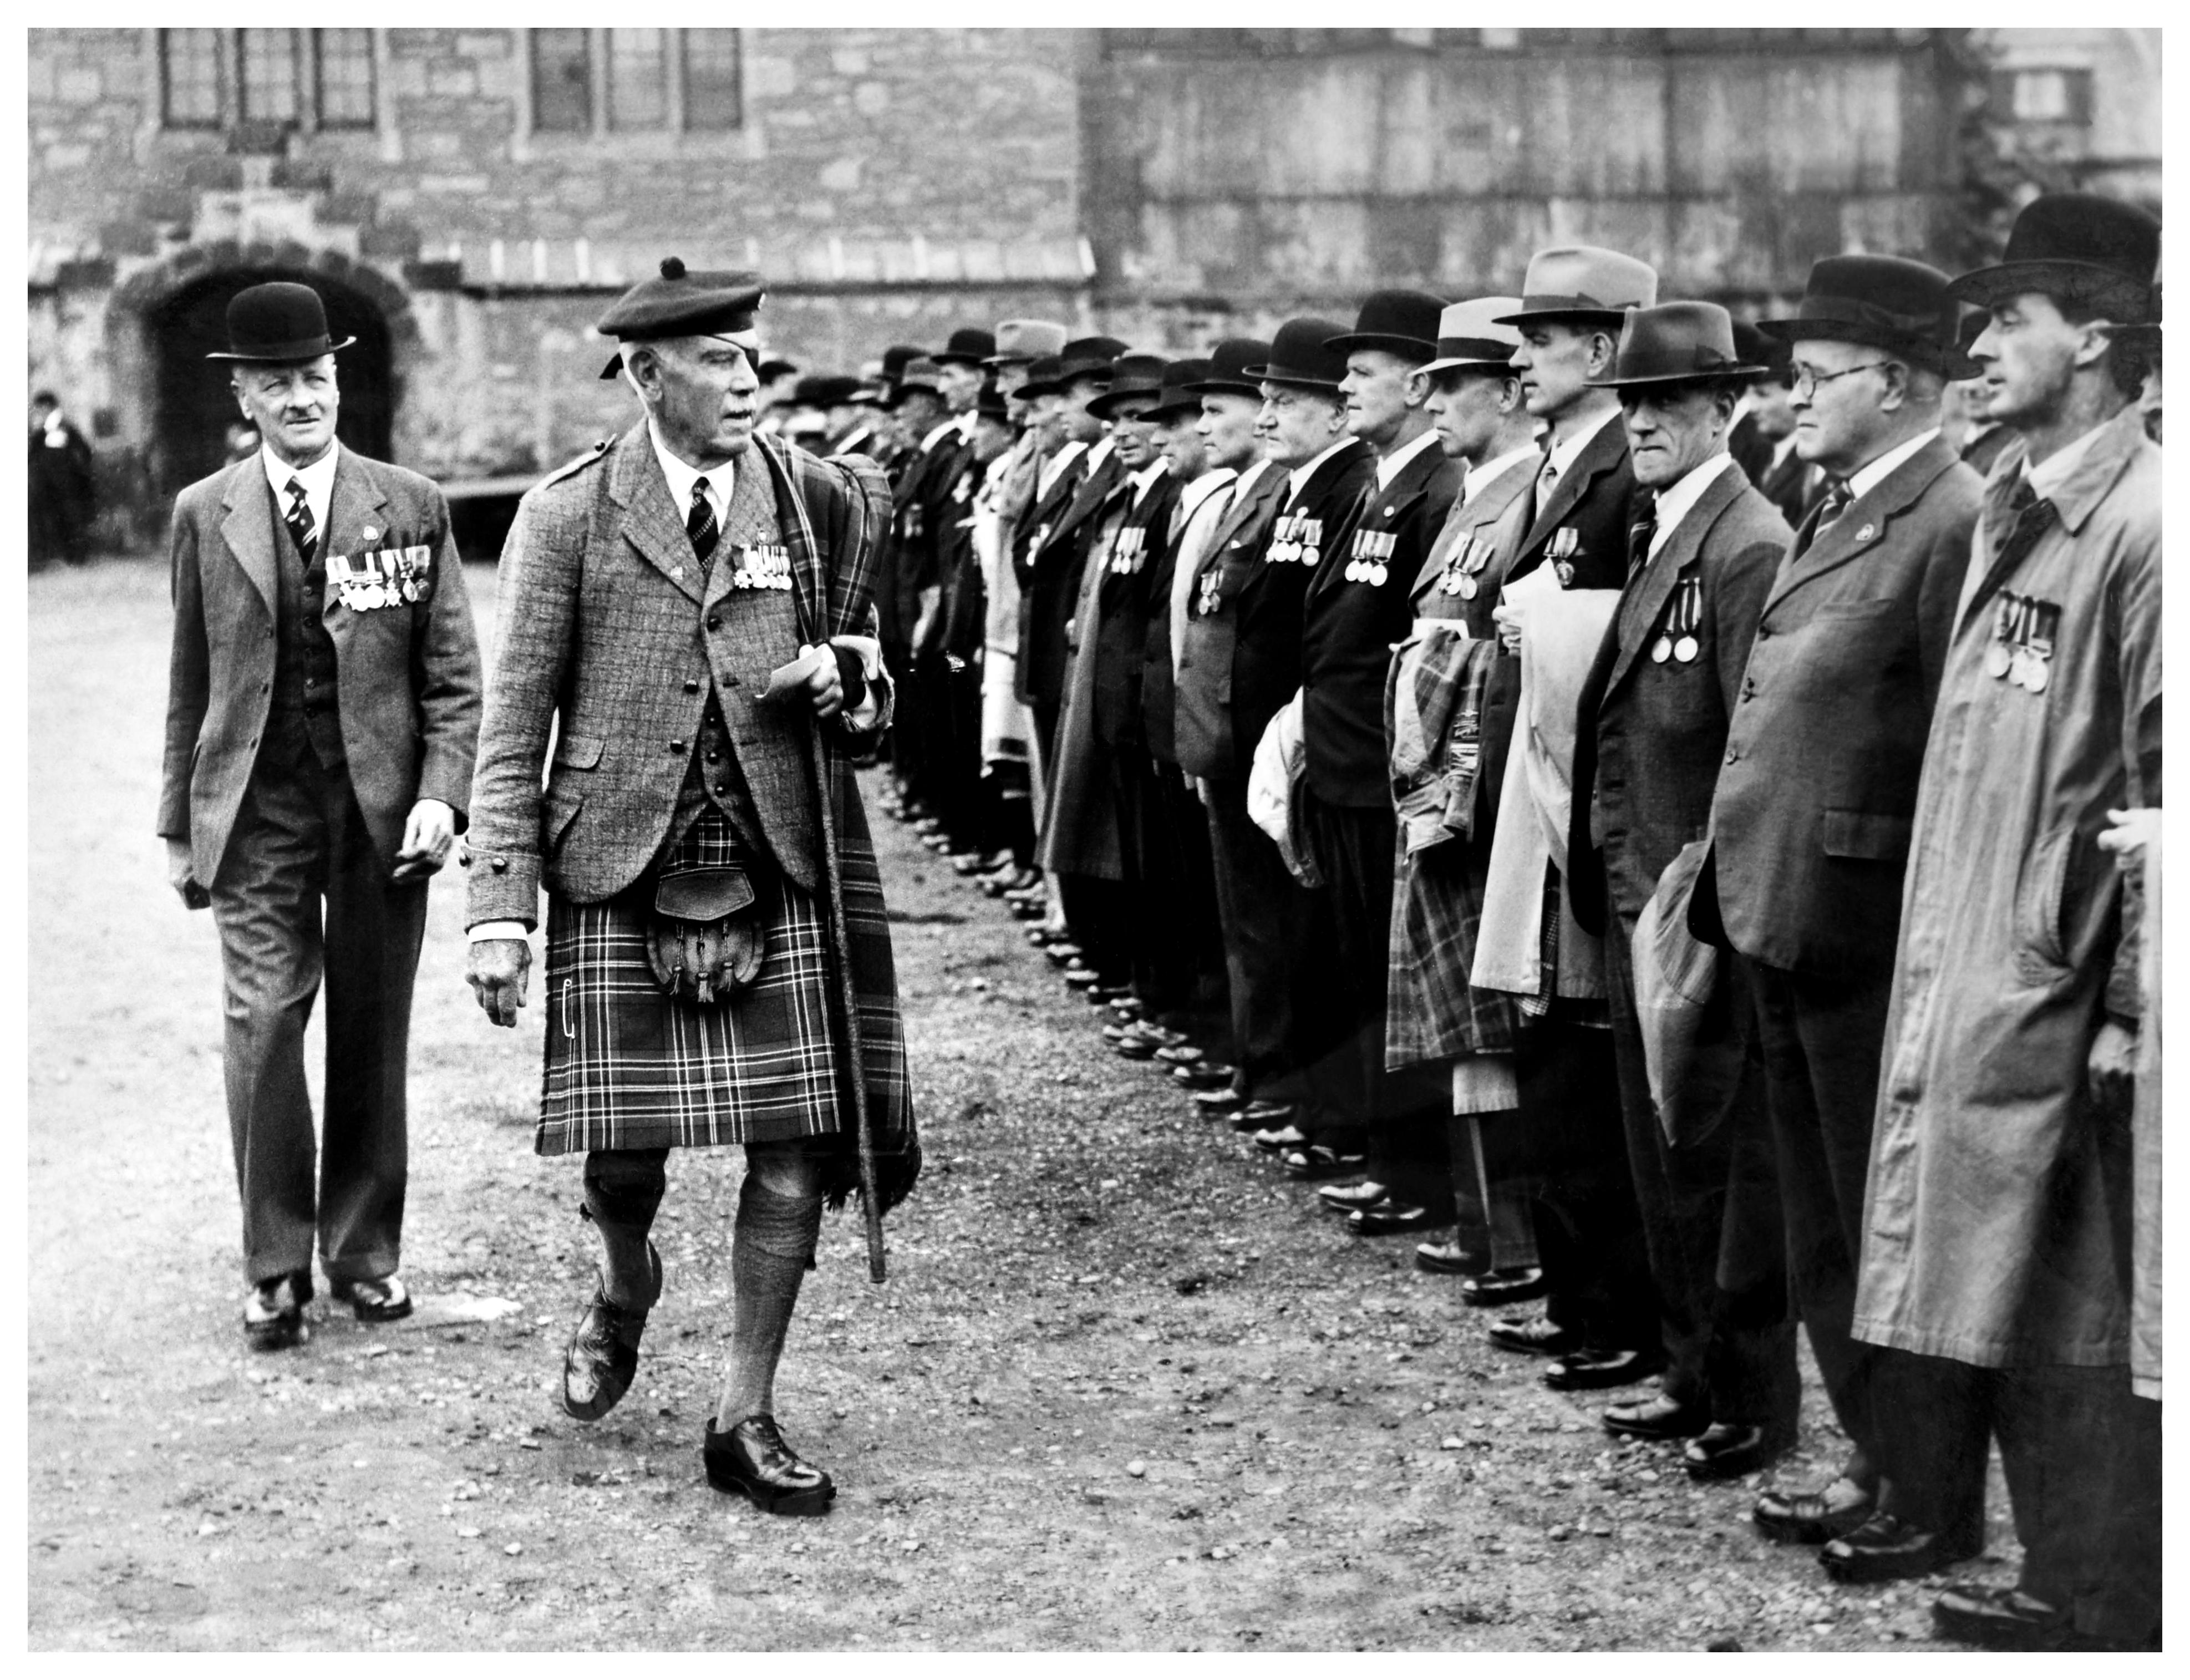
2077, 246
1181, 386
1042, 379
1088, 359
680, 302
972, 345
1405, 323
1133, 377
1023, 341
1585, 282
920, 374
988, 403
1753, 344
1229, 362
278, 322
1300, 354
1475, 335
1891, 303
1673, 344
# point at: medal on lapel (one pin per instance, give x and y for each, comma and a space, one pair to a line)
1565, 544
414, 573
2019, 658
1997, 659
1211, 592
2045, 625
1686, 647
1312, 540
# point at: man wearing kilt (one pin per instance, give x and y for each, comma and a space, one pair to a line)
690, 607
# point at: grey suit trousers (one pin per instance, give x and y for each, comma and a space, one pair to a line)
301, 893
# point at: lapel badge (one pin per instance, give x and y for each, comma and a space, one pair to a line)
1388, 512
369, 533
1866, 533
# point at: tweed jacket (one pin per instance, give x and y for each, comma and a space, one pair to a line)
1472, 520
1202, 731
1810, 824
1056, 555
406, 676
1649, 734
1358, 609
605, 627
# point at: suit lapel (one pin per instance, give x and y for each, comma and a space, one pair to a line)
1480, 510
1865, 521
1654, 585
248, 530
1598, 456
650, 524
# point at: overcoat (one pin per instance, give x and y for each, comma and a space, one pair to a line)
1202, 727
1125, 601
1056, 552
1987, 1230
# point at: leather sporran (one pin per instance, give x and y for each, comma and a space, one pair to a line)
705, 940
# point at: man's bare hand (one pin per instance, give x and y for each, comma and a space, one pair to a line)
2113, 1067
2129, 832
427, 838
497, 970
186, 885
825, 689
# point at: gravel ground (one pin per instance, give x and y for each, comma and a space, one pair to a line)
1125, 1388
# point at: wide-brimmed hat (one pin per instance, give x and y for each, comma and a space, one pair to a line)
679, 303
1229, 362
1134, 376
1753, 344
1585, 282
1405, 323
1088, 359
1675, 344
989, 402
278, 322
1180, 388
2076, 245
1892, 303
970, 345
1024, 340
1300, 354
1042, 379
1475, 335
920, 374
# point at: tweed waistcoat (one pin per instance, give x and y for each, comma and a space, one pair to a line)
304, 710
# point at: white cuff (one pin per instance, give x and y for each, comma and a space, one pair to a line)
498, 930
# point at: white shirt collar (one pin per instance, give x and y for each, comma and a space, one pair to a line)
1564, 451
2048, 475
965, 423
1099, 452
1300, 474
318, 478
1055, 466
937, 434
1145, 480
1196, 491
1388, 468
1865, 480
54, 421
683, 476
1675, 501
1252, 472
1495, 469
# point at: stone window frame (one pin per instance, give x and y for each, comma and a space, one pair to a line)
230, 112
221, 101
673, 134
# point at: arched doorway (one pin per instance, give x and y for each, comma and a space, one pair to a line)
193, 402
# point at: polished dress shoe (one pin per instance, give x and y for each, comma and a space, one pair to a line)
1603, 1368
1504, 1287
1319, 1161
1658, 1418
1390, 1219
1277, 1139
1886, 1548
1079, 975
1345, 1198
1446, 1259
1725, 1450
1813, 1518
752, 1459
1219, 1104
602, 1357
373, 1300
2004, 1618
1156, 1037
1063, 952
1258, 1116
1183, 1055
1537, 1336
274, 1312
1202, 1076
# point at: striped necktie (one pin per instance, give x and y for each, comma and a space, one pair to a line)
700, 524
302, 531
1641, 530
1836, 503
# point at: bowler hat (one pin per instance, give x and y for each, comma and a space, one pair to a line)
2143, 332
1136, 376
773, 370
1229, 363
1583, 281
835, 389
1300, 354
1024, 340
1180, 387
1088, 359
1673, 344
680, 301
1042, 379
1892, 303
1405, 323
278, 322
972, 345
895, 357
1473, 334
2074, 245
811, 391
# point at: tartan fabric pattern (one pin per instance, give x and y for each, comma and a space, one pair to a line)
1433, 1013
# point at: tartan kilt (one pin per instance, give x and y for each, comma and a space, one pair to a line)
629, 1067
1431, 1012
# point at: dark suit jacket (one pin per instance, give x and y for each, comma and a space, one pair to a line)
1123, 602
1650, 734
407, 677
1350, 627
1793, 487
1057, 553
1810, 825
912, 562
1202, 710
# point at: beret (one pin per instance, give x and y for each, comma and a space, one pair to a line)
680, 301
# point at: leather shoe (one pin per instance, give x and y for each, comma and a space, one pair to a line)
1886, 1548
1725, 1450
1534, 1335
2003, 1619
602, 1357
1079, 975
1446, 1259
1345, 1198
1063, 952
274, 1312
1503, 1288
1813, 1518
1319, 1161
1202, 1076
1258, 1116
752, 1459
1390, 1219
373, 1300
1603, 1368
1277, 1139
1182, 1054
1657, 1418
1218, 1105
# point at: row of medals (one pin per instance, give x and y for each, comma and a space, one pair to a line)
1678, 639
1297, 537
764, 567
1371, 548
2022, 641
382, 578
1130, 552
1460, 576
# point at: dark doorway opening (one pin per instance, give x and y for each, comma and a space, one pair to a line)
195, 405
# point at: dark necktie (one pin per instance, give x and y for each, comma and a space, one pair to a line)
1642, 529
700, 524
302, 531
1836, 503
2017, 524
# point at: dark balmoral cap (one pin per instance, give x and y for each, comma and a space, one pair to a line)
1025, 340
278, 322
1474, 335
1405, 323
1135, 376
972, 345
1182, 387
1300, 354
682, 303
2074, 245
1583, 281
1892, 303
1675, 344
1042, 379
1229, 363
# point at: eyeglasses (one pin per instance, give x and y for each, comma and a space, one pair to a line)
1807, 379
